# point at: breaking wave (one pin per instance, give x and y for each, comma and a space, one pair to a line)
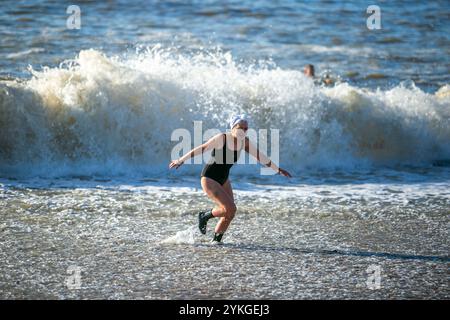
111, 115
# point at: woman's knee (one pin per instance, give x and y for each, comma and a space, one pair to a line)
230, 211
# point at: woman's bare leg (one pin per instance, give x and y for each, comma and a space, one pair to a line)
228, 189
223, 224
225, 207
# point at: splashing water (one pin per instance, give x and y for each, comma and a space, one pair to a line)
114, 115
188, 236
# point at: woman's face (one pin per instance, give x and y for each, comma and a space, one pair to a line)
239, 131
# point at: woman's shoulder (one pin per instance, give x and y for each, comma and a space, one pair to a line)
219, 140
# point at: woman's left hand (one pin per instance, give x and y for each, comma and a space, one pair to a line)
284, 173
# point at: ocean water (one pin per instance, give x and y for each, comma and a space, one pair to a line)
86, 118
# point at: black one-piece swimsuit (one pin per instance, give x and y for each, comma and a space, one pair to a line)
218, 168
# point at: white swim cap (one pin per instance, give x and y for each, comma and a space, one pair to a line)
237, 119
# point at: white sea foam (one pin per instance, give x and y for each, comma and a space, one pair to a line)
111, 116
21, 54
354, 51
187, 236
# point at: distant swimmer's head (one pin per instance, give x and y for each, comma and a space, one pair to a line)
327, 80
239, 126
308, 70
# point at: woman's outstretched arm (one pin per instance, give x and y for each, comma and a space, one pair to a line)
263, 159
214, 142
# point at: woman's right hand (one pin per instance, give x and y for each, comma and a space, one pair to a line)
175, 164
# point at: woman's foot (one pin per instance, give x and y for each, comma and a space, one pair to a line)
203, 218
217, 238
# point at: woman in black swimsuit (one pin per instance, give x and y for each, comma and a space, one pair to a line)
214, 178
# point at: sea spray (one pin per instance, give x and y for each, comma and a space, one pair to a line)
188, 236
114, 115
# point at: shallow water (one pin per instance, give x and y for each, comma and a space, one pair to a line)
314, 237
86, 124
